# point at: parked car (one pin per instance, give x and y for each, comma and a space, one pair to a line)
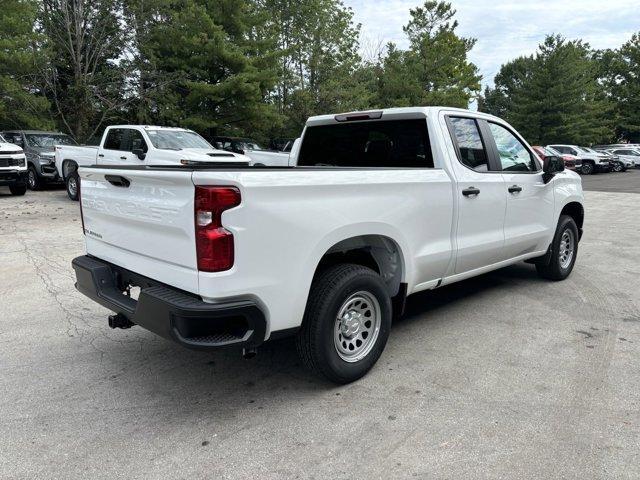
235, 144
591, 163
258, 155
629, 155
281, 144
134, 145
13, 167
617, 165
379, 206
570, 161
39, 147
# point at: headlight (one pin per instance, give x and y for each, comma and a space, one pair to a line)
45, 159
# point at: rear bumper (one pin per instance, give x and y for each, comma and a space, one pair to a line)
12, 177
168, 312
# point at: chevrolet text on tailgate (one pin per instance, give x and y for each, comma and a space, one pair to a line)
380, 205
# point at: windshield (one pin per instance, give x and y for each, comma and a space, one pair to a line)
176, 139
249, 145
45, 140
552, 152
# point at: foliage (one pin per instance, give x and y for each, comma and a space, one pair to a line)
435, 70
83, 78
553, 96
20, 102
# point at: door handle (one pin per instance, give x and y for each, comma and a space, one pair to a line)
515, 189
117, 181
123, 158
101, 155
471, 192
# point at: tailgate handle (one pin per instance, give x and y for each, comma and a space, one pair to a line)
117, 181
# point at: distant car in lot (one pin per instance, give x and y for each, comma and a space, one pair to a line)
39, 148
617, 165
631, 156
259, 156
571, 162
13, 168
591, 162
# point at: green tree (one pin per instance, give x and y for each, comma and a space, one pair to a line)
218, 73
553, 96
84, 77
319, 67
21, 104
435, 70
623, 82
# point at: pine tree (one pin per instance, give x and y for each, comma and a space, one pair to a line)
554, 96
435, 70
21, 104
625, 89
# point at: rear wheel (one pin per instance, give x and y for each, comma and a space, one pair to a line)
33, 181
346, 323
18, 190
564, 251
73, 186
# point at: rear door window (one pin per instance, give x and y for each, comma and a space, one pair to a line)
466, 136
115, 139
394, 144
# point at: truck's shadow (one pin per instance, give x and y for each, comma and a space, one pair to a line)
173, 375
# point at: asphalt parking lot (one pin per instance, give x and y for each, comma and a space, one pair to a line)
502, 376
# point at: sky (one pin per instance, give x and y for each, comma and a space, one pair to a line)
506, 29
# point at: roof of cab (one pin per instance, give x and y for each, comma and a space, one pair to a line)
392, 114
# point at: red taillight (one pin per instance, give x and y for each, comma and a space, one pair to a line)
214, 244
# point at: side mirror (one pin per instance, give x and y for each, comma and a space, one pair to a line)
552, 165
139, 153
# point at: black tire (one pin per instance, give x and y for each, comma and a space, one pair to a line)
553, 269
72, 183
618, 167
33, 180
587, 168
18, 190
316, 339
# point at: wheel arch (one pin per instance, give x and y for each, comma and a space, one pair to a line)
68, 166
576, 211
379, 252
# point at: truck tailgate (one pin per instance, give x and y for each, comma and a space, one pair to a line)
142, 220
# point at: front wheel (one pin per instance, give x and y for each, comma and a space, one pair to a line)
33, 181
346, 323
587, 168
618, 167
564, 251
73, 186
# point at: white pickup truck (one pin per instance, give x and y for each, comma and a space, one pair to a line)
126, 145
380, 205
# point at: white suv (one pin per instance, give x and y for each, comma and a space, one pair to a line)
13, 167
591, 162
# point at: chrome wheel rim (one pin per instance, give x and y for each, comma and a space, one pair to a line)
72, 186
357, 326
31, 179
567, 247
